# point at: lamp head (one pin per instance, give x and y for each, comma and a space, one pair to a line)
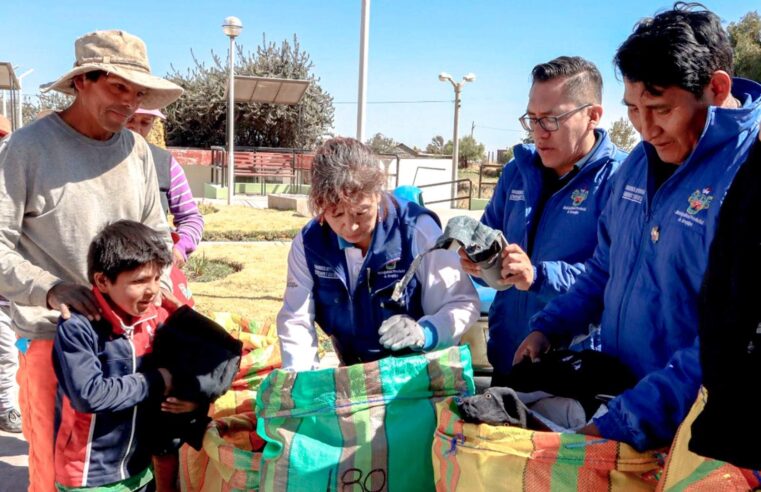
232, 26
470, 77
443, 76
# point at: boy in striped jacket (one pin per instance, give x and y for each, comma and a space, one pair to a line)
105, 379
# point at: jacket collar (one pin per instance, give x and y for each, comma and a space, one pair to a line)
528, 160
386, 241
118, 326
725, 124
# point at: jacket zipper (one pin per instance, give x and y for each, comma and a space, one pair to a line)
644, 236
539, 226
123, 464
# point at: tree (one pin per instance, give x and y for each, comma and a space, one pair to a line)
470, 150
436, 146
198, 118
745, 37
382, 144
49, 101
623, 134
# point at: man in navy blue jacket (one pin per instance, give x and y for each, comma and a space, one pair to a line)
548, 199
698, 125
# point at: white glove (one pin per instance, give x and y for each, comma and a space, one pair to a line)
400, 331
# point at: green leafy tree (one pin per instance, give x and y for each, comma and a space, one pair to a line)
436, 146
623, 134
745, 36
382, 144
470, 150
198, 118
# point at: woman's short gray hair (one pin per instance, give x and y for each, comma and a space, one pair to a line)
344, 170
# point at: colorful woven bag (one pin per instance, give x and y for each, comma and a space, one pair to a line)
366, 427
231, 453
481, 457
687, 471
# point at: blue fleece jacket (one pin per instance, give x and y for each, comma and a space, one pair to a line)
565, 237
644, 277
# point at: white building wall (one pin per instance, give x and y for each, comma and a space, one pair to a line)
419, 172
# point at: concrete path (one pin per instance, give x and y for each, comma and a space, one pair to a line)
13, 463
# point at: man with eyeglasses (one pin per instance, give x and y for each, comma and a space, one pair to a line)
548, 200
698, 125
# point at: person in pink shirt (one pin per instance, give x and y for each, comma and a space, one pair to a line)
176, 197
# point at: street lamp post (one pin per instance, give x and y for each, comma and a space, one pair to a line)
231, 27
443, 76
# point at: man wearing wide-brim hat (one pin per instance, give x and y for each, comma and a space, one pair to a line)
63, 178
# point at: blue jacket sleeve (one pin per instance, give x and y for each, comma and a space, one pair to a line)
648, 415
553, 278
570, 314
80, 375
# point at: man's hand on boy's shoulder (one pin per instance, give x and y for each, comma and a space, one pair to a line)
66, 296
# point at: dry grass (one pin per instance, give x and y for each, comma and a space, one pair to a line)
487, 184
239, 223
256, 291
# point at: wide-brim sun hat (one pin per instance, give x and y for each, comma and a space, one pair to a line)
118, 53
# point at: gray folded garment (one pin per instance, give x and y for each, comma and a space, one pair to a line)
497, 406
482, 244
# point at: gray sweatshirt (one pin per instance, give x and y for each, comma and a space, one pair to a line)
58, 188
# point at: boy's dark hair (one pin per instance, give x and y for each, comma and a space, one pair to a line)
584, 82
681, 47
123, 246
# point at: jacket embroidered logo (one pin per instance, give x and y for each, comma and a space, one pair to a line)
699, 200
578, 196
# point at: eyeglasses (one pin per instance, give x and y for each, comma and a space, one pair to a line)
548, 123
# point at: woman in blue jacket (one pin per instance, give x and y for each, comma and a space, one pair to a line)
344, 264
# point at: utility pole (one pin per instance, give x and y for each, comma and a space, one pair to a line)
364, 40
472, 129
444, 77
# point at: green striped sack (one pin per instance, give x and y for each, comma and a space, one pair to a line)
367, 427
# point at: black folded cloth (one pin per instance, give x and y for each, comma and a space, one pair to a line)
588, 376
203, 360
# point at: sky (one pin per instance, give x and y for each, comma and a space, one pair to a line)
411, 42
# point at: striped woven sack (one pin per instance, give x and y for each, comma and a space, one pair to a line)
231, 453
481, 457
261, 355
229, 459
687, 471
366, 427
